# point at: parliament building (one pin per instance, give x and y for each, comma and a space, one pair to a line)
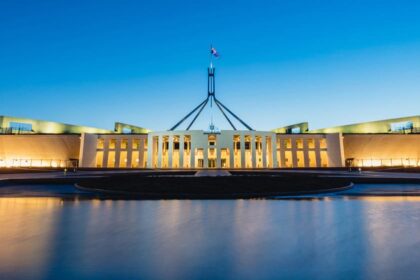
35, 143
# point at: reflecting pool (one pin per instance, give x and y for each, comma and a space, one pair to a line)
318, 238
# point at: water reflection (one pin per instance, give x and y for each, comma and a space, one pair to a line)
50, 238
27, 228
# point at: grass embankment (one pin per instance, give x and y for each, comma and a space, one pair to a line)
236, 186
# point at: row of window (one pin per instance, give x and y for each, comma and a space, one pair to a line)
123, 162
302, 159
299, 143
187, 145
286, 144
212, 140
123, 144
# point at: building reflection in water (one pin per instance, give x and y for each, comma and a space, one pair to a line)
27, 228
186, 239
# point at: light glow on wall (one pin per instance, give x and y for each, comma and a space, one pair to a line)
408, 162
25, 162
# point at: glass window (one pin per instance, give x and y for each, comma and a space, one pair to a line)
295, 130
288, 160
323, 143
247, 145
311, 143
212, 140
135, 159
287, 143
112, 143
124, 143
299, 143
20, 126
401, 126
123, 159
312, 158
111, 159
324, 159
127, 130
300, 159
136, 144
99, 158
100, 143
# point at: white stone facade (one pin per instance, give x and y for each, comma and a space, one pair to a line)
183, 149
242, 149
113, 150
198, 149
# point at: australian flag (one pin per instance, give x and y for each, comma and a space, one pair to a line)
214, 52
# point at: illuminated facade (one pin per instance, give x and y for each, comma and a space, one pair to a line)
32, 143
35, 143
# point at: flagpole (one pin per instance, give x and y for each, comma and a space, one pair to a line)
211, 56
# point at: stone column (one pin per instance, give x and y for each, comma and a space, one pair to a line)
218, 156
170, 150
274, 151
150, 151
253, 151
181, 151
305, 152
294, 150
264, 151
141, 153
242, 139
206, 155
282, 152
106, 151
160, 143
317, 153
192, 153
232, 153
117, 152
129, 152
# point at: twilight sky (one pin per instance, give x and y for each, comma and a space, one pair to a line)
144, 62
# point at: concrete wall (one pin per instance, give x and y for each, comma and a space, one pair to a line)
22, 148
383, 147
88, 150
335, 150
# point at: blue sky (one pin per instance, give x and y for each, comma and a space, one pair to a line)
144, 62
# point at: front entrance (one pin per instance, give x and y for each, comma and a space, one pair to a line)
212, 163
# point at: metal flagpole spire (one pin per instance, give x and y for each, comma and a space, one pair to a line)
211, 55
211, 89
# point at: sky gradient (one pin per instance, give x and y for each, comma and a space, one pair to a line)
144, 62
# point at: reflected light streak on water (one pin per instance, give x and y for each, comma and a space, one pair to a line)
51, 238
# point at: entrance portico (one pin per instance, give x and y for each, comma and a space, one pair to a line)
200, 149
